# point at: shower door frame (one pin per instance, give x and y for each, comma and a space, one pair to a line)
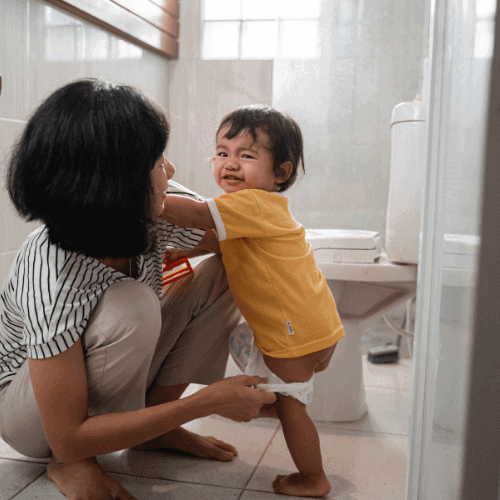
480, 473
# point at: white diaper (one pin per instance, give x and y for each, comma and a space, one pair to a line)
250, 361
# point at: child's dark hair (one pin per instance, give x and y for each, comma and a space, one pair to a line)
283, 132
82, 166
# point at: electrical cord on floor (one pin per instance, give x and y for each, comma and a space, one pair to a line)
390, 353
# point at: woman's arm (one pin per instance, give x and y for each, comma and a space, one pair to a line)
61, 392
187, 212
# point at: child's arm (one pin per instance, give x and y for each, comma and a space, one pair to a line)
187, 212
208, 244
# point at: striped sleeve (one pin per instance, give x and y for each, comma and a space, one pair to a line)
47, 301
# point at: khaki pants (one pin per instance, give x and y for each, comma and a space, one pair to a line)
132, 340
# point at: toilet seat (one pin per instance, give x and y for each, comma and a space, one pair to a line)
356, 255
344, 245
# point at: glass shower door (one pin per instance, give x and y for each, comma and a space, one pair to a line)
461, 46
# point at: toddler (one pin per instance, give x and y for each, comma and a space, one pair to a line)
292, 318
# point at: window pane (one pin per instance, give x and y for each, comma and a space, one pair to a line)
221, 40
483, 41
96, 44
259, 40
260, 9
299, 9
222, 9
126, 50
299, 39
485, 8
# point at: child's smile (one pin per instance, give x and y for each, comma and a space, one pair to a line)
242, 163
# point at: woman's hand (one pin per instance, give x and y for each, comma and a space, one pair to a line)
236, 398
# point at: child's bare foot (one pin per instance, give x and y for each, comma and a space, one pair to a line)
302, 485
85, 480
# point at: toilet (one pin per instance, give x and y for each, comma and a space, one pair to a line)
366, 278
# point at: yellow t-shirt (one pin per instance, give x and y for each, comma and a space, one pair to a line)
273, 276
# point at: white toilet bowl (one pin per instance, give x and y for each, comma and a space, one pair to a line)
363, 293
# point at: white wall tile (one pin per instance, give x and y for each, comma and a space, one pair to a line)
14, 56
76, 49
6, 260
13, 229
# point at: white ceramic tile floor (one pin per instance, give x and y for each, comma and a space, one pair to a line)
364, 460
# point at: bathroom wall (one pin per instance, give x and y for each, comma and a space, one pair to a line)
370, 59
42, 48
201, 92
371, 56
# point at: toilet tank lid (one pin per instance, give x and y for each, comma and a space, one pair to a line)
357, 239
409, 112
463, 244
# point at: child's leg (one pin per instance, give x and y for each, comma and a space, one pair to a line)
300, 433
303, 442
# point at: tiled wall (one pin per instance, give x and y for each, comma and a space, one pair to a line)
42, 48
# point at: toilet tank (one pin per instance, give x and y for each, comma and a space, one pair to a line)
408, 159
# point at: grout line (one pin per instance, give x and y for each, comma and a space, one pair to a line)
32, 461
259, 461
28, 485
362, 432
173, 480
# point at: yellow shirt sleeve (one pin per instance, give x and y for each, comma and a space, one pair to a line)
251, 213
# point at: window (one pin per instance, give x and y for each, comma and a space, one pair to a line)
485, 28
260, 29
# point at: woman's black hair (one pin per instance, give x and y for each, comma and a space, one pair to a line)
284, 135
82, 166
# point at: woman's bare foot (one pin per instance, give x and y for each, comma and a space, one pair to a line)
183, 440
302, 485
85, 480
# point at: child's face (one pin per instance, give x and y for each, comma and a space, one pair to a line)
242, 163
162, 172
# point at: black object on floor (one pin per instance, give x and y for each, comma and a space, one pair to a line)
383, 354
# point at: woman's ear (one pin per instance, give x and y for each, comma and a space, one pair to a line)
285, 171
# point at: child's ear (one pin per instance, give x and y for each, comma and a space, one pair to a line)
285, 171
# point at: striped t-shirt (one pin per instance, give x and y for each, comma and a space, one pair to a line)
50, 292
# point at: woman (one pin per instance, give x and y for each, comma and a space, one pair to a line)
94, 355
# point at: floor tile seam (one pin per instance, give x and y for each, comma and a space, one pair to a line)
174, 480
365, 432
33, 461
258, 462
27, 486
390, 388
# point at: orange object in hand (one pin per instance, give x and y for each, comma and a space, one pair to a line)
175, 269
